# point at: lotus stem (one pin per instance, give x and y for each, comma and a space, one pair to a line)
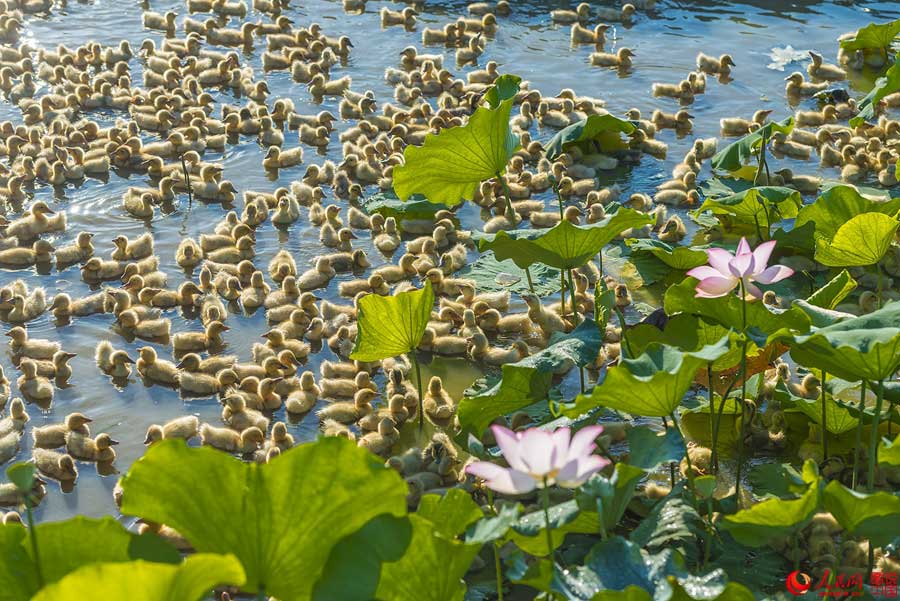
621, 315
873, 439
712, 421
687, 458
871, 565
415, 362
261, 595
32, 536
740, 456
545, 499
559, 199
187, 181
878, 271
581, 377
562, 293
824, 421
498, 570
530, 283
718, 424
710, 531
575, 319
502, 179
859, 427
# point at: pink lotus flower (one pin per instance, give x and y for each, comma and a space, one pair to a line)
538, 458
725, 270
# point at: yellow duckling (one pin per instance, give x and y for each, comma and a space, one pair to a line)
331, 427
304, 398
54, 435
288, 293
620, 60
96, 270
396, 411
33, 387
548, 321
147, 329
255, 294
491, 320
82, 250
437, 404
157, 370
185, 428
58, 466
188, 254
349, 412
673, 230
280, 440
210, 338
612, 15
20, 345
16, 420
389, 240
405, 17
715, 66
9, 446
583, 35
317, 277
276, 343
162, 22
99, 449
680, 121
238, 416
581, 13
798, 86
184, 296
380, 442
480, 350
735, 126
822, 70
35, 222
200, 384
139, 205
226, 439
808, 388
58, 367
319, 86
139, 248
816, 118
40, 253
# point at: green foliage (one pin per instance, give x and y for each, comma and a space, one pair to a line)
450, 165
392, 325
609, 497
648, 449
877, 36
494, 528
775, 518
565, 518
528, 381
889, 452
387, 204
451, 513
834, 292
565, 245
146, 581
67, 546
838, 419
873, 516
673, 524
689, 333
865, 347
737, 154
602, 130
682, 258
491, 275
280, 519
604, 304
652, 384
862, 241
22, 475
888, 84
762, 205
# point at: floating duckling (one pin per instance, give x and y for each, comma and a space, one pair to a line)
210, 338
58, 466
349, 412
715, 66
157, 370
380, 442
58, 367
226, 439
581, 13
822, 70
99, 449
620, 60
54, 435
437, 403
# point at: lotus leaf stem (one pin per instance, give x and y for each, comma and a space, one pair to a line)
712, 421
415, 362
873, 439
502, 179
687, 458
545, 500
859, 428
32, 536
498, 570
824, 420
530, 282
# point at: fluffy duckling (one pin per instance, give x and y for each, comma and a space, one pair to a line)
9, 446
58, 367
317, 277
816, 118
736, 126
226, 439
563, 16
54, 435
185, 428
822, 70
99, 449
35, 222
276, 343
255, 294
139, 248
715, 66
380, 442
437, 404
388, 240
612, 15
480, 350
583, 35
16, 419
239, 417
405, 17
303, 399
797, 86
680, 121
210, 338
188, 254
146, 329
157, 370
40, 253
82, 250
349, 412
20, 345
620, 60
548, 321
184, 296
673, 231
58, 466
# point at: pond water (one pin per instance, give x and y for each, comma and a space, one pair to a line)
665, 42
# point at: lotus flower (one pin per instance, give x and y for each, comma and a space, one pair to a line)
538, 458
725, 270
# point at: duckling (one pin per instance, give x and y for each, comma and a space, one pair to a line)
163, 22
581, 13
139, 248
816, 118
184, 296
20, 345
99, 449
304, 398
341, 342
331, 427
715, 66
96, 270
199, 383
82, 250
405, 17
380, 442
147, 329
808, 388
583, 35
39, 253
821, 70
389, 240
548, 321
58, 466
275, 343
157, 370
349, 412
9, 446
798, 86
185, 428
319, 86
211, 337
54, 435
673, 230
680, 121
226, 439
16, 419
140, 206
317, 277
480, 350
58, 367
255, 294
620, 60
437, 404
239, 417
612, 15
736, 126
805, 184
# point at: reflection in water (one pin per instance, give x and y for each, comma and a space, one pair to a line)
665, 44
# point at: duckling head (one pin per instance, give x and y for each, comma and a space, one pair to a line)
215, 329
435, 386
105, 441
128, 318
190, 362
120, 358
279, 432
364, 397
275, 337
253, 435
67, 465
154, 434
307, 380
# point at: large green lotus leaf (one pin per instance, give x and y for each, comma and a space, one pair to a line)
432, 570
873, 35
689, 333
652, 384
863, 240
873, 516
528, 533
737, 154
647, 449
672, 524
630, 593
838, 419
834, 292
528, 381
605, 129
864, 347
889, 452
392, 325
780, 480
388, 204
146, 581
609, 497
451, 513
565, 245
774, 518
491, 275
450, 165
67, 546
726, 310
280, 519
763, 205
676, 257
493, 528
504, 88
888, 84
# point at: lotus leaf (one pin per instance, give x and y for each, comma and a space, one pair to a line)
838, 419
609, 497
648, 449
888, 84
682, 258
835, 291
735, 155
388, 205
146, 581
874, 35
451, 513
491, 275
392, 325
763, 205
493, 528
294, 509
889, 452
565, 518
873, 516
863, 240
604, 129
672, 524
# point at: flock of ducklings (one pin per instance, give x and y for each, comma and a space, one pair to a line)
57, 142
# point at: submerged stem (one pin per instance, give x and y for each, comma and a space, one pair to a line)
873, 439
415, 362
562, 293
545, 499
712, 421
32, 535
859, 427
530, 283
572, 296
824, 420
498, 570
502, 179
